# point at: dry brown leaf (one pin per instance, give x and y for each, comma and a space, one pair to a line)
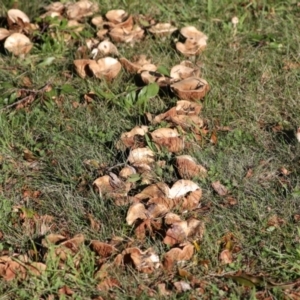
136, 211
182, 286
219, 188
182, 253
226, 257
182, 187
188, 168
159, 189
103, 184
94, 224
141, 158
104, 250
126, 172
162, 290
108, 284
275, 221
65, 290
144, 261
132, 138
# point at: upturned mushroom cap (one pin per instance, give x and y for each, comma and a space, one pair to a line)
81, 66
183, 72
188, 167
107, 47
151, 77
116, 16
55, 7
80, 9
191, 47
192, 88
140, 63
18, 43
14, 15
191, 32
4, 33
97, 21
109, 68
195, 42
162, 29
120, 35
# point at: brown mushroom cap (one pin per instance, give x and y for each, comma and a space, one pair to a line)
14, 15
109, 68
80, 9
4, 33
162, 29
55, 7
18, 43
192, 88
116, 16
120, 35
182, 72
107, 47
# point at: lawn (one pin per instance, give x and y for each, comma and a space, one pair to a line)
61, 237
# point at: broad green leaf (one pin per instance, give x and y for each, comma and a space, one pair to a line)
134, 178
149, 91
68, 89
163, 70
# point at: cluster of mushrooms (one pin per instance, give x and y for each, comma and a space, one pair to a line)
158, 210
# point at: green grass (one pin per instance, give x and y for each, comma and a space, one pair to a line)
251, 92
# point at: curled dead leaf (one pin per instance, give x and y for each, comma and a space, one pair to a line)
136, 211
188, 168
143, 261
131, 138
102, 249
182, 253
141, 158
219, 188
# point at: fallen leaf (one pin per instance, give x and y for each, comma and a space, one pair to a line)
219, 188
226, 257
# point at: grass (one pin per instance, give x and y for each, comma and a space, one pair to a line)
252, 93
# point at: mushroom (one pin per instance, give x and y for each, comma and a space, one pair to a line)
195, 41
15, 15
18, 43
4, 33
162, 29
192, 88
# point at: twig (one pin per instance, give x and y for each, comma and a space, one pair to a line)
33, 94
